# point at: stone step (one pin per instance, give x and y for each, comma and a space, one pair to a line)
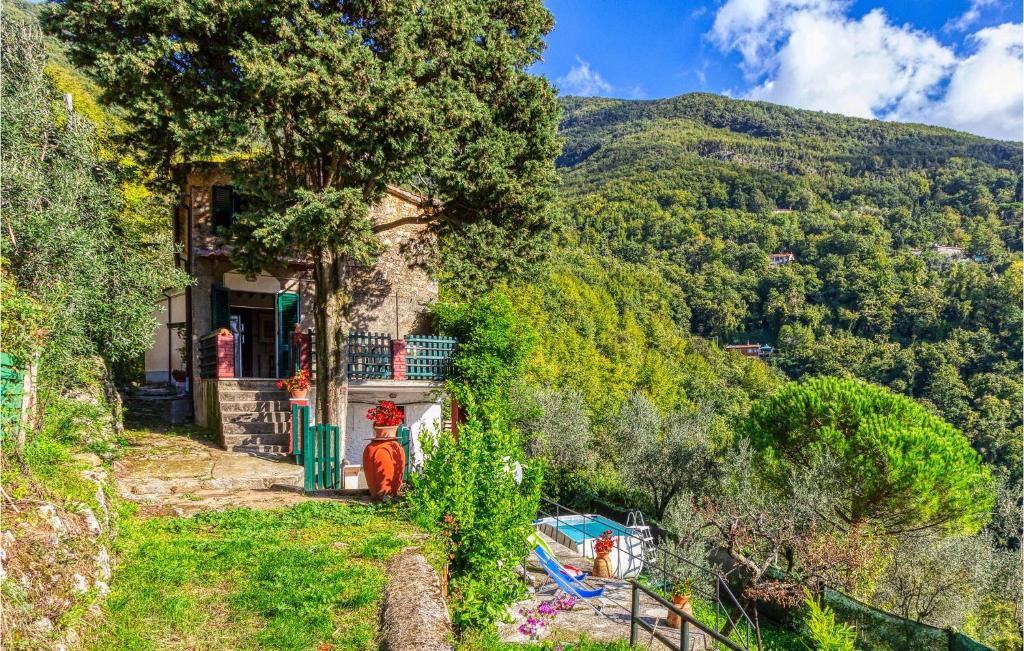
255, 428
248, 384
232, 395
256, 438
255, 416
278, 451
251, 406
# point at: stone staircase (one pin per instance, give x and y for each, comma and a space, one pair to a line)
254, 416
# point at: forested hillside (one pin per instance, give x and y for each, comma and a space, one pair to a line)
698, 190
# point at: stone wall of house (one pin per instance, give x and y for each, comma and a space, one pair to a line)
393, 295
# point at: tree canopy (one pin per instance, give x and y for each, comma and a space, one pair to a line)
899, 467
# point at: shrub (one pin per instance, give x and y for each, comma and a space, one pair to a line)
824, 633
480, 497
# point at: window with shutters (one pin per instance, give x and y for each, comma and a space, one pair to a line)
222, 207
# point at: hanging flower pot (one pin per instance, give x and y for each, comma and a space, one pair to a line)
297, 385
603, 547
681, 599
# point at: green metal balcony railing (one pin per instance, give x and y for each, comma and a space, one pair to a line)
375, 356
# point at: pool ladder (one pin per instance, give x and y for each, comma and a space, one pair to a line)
635, 523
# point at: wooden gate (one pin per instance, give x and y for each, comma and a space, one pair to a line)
317, 448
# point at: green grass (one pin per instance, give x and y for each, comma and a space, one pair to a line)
295, 578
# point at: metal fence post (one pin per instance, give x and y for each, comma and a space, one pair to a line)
634, 613
684, 635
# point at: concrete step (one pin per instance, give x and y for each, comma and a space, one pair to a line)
257, 438
232, 395
275, 451
255, 428
255, 416
252, 405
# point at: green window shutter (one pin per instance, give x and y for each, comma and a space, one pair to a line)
222, 206
220, 310
287, 317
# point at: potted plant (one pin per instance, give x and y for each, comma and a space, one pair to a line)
386, 418
603, 546
297, 385
179, 375
680, 593
384, 458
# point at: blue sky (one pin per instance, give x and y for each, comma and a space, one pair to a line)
955, 63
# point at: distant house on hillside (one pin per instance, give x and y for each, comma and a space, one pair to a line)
751, 350
954, 253
781, 258
232, 336
781, 211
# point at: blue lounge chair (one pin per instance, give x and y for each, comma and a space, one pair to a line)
544, 554
567, 585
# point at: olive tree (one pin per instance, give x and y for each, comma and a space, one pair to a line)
660, 456
325, 104
900, 468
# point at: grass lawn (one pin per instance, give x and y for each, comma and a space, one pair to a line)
308, 577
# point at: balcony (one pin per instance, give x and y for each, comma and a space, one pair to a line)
376, 356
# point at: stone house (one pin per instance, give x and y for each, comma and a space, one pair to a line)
233, 336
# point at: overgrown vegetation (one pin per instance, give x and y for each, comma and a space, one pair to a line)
477, 491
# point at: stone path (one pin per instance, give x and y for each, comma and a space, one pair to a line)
610, 625
180, 473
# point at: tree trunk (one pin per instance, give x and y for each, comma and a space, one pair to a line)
329, 313
113, 398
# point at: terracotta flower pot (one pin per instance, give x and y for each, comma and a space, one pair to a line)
298, 393
602, 566
384, 465
683, 603
385, 431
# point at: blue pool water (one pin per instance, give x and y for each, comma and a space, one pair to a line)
579, 527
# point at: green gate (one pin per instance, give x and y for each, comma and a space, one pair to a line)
317, 448
404, 438
12, 389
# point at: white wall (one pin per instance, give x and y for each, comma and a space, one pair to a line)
159, 361
422, 414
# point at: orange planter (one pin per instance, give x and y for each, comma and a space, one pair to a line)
384, 465
602, 566
385, 431
298, 393
683, 603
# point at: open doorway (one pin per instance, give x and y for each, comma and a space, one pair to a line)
262, 324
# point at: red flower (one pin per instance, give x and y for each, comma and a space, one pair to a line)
297, 382
605, 543
385, 414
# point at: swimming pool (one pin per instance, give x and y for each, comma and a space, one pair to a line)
578, 533
579, 527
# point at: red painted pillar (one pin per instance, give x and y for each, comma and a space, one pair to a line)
456, 418
225, 354
398, 359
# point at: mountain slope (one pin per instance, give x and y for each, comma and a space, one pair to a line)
700, 189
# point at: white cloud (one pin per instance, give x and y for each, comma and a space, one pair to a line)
985, 94
810, 54
969, 17
582, 80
